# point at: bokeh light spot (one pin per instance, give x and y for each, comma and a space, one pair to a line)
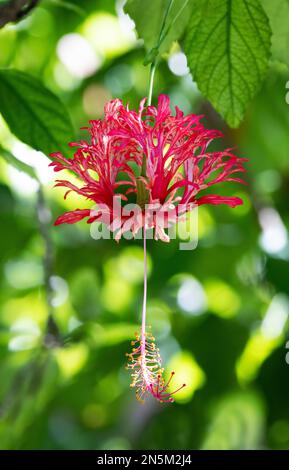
191, 296
178, 64
95, 96
71, 359
222, 299
256, 351
78, 56
103, 30
187, 371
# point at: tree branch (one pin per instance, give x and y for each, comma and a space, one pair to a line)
52, 337
15, 10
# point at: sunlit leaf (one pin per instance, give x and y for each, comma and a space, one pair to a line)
149, 20
278, 14
227, 44
33, 113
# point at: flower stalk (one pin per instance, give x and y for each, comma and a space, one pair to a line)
151, 82
145, 359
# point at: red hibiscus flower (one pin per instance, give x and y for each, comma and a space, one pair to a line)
150, 156
153, 159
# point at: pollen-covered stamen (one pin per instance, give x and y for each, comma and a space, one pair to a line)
146, 370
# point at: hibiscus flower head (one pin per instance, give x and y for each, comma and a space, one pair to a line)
159, 162
152, 158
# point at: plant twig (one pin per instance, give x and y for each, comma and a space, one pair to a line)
52, 337
15, 10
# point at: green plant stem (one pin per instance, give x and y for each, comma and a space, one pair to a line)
151, 82
162, 31
149, 102
165, 32
160, 39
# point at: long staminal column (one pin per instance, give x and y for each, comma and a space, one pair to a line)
146, 370
144, 361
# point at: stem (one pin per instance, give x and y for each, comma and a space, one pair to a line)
162, 31
144, 306
151, 82
149, 102
43, 215
160, 39
15, 10
165, 32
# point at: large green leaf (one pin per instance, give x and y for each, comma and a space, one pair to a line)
278, 13
228, 46
33, 113
149, 17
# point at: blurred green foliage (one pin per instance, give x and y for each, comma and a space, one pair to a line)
219, 312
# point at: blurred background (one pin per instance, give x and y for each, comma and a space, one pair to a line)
219, 313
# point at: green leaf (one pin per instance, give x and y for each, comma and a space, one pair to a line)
20, 166
33, 113
228, 46
149, 18
278, 14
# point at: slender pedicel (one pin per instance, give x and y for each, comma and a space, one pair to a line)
145, 360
